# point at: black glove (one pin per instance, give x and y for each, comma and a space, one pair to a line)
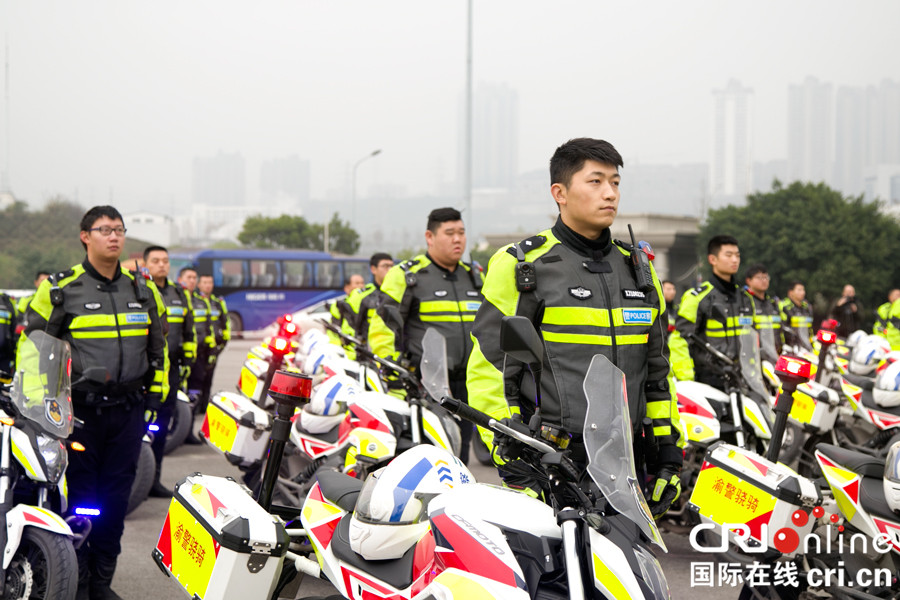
507, 448
518, 475
152, 404
664, 490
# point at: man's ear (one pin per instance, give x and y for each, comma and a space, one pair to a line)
85, 236
429, 237
558, 191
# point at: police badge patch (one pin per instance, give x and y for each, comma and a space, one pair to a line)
580, 293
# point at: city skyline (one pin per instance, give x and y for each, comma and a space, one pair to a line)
112, 101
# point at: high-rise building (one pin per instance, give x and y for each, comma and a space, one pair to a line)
730, 171
495, 136
883, 123
810, 131
849, 140
285, 178
220, 180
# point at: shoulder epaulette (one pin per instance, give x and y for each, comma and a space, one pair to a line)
624, 245
64, 274
700, 288
406, 265
528, 244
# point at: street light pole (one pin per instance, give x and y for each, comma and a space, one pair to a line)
353, 193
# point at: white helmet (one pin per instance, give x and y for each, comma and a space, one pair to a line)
855, 338
867, 354
322, 352
889, 359
310, 338
391, 513
887, 386
328, 404
892, 477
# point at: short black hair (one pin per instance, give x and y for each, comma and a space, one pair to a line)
150, 249
378, 257
97, 213
202, 275
39, 273
665, 281
186, 269
571, 156
794, 283
442, 215
716, 243
755, 270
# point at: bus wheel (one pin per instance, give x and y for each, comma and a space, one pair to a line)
237, 325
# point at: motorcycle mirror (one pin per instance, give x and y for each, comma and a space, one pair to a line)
519, 339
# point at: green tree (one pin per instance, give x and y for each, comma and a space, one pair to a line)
296, 232
812, 233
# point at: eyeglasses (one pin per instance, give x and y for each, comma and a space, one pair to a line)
762, 276
107, 231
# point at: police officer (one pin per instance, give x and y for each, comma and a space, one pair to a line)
881, 315
892, 330
219, 327
796, 316
432, 290
341, 313
113, 321
24, 301
363, 301
7, 333
180, 347
698, 319
768, 316
206, 343
585, 299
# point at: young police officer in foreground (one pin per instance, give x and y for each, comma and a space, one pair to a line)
585, 300
113, 321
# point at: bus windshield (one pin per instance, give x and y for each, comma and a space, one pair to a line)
259, 286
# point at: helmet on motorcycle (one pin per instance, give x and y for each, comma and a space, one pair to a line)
328, 404
391, 514
886, 391
867, 354
889, 359
855, 338
310, 338
321, 353
892, 477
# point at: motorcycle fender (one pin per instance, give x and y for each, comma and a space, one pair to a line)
24, 515
455, 584
754, 417
320, 519
26, 455
182, 397
845, 486
610, 570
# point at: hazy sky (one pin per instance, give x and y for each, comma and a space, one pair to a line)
121, 95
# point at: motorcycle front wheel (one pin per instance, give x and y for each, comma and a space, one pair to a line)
179, 425
143, 477
44, 567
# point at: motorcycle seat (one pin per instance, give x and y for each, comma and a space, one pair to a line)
341, 489
397, 572
866, 383
871, 497
868, 400
858, 462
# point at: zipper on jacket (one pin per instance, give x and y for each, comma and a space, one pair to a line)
612, 326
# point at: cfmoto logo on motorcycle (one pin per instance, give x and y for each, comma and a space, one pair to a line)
484, 538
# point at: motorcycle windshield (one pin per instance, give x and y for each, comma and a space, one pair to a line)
608, 442
41, 383
434, 365
751, 365
767, 349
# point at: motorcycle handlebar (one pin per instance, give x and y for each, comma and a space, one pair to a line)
466, 412
513, 429
703, 344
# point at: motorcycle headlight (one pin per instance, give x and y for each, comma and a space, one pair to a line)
652, 573
53, 453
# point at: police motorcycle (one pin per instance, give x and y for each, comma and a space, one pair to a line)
38, 545
824, 543
422, 528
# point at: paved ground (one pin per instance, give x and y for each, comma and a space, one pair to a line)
138, 578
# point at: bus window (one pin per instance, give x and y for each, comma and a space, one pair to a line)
297, 273
357, 268
263, 273
328, 275
228, 273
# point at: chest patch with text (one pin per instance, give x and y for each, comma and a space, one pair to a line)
637, 316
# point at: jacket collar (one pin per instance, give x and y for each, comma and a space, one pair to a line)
581, 245
90, 270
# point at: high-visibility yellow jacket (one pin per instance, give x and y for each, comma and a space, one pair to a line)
695, 318
796, 318
427, 296
881, 321
115, 324
181, 336
768, 318
892, 331
584, 303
